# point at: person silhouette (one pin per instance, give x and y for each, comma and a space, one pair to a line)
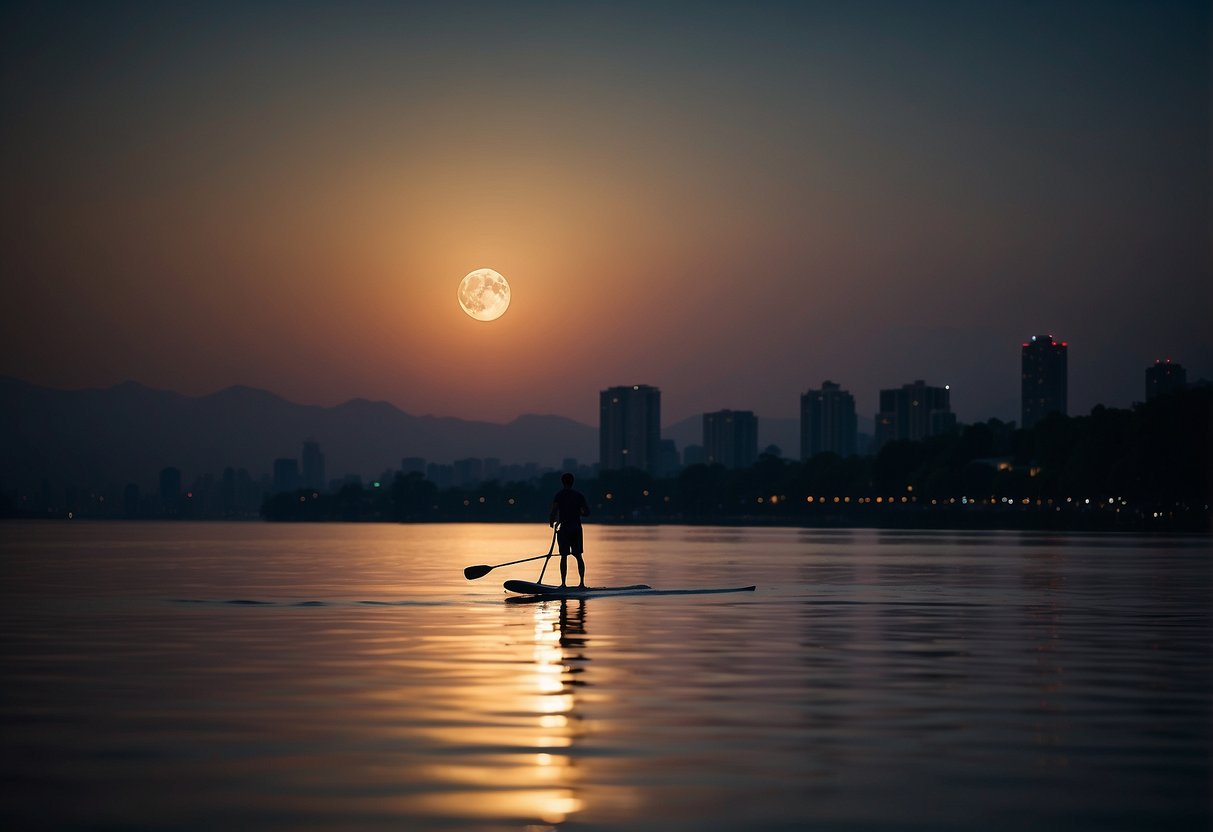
568, 507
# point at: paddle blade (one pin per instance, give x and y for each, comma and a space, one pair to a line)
474, 572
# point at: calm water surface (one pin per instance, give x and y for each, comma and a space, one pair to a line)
216, 676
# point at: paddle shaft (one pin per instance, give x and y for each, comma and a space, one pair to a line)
523, 560
473, 572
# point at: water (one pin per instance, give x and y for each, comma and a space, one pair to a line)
215, 676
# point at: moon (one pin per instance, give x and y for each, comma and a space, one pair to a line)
484, 294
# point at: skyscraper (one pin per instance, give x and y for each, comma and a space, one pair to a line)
629, 428
827, 422
914, 412
1165, 378
1044, 379
730, 438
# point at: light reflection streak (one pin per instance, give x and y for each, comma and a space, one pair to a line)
521, 717
517, 708
557, 629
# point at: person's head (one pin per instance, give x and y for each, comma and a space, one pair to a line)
567, 480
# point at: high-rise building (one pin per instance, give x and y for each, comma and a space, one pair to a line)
313, 466
730, 438
629, 428
1044, 379
1165, 378
914, 412
827, 422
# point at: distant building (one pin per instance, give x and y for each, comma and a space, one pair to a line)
286, 475
730, 438
492, 469
1043, 379
629, 428
440, 475
412, 464
913, 412
469, 471
1165, 378
828, 423
313, 466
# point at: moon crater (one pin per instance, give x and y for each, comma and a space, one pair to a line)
484, 294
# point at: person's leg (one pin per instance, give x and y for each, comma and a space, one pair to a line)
562, 542
577, 547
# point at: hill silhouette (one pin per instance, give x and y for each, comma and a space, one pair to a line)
128, 432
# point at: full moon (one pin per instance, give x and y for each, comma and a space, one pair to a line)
484, 295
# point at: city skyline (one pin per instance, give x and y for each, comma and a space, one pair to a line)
629, 428
233, 491
731, 205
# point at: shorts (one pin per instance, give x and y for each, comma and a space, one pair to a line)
570, 540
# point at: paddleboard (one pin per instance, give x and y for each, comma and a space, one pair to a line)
531, 592
532, 588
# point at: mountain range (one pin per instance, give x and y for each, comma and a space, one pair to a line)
128, 432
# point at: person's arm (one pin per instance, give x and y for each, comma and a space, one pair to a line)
585, 507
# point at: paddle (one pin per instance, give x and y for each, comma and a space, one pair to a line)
474, 572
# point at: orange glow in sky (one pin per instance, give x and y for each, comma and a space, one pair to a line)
732, 211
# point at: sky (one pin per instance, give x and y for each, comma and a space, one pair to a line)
733, 202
